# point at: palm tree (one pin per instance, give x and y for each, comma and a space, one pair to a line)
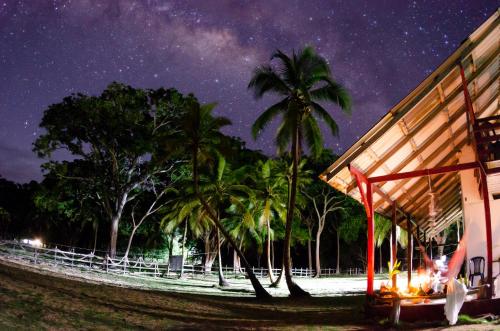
302, 80
381, 232
200, 136
271, 193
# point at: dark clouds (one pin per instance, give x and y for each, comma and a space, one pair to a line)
379, 50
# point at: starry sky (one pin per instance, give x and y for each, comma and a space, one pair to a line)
380, 50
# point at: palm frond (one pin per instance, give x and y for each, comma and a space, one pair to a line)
325, 116
264, 80
333, 92
267, 116
312, 134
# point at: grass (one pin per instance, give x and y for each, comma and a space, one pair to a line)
35, 301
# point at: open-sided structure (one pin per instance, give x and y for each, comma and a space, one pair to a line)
435, 156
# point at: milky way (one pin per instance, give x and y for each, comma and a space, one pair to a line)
380, 50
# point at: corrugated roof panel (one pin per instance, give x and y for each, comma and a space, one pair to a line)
414, 164
387, 141
460, 122
440, 157
451, 82
439, 141
422, 108
398, 156
486, 48
437, 121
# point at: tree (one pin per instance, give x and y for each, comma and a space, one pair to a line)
382, 229
302, 80
271, 195
325, 201
347, 224
119, 133
200, 136
69, 205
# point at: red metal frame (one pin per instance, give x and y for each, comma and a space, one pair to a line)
367, 198
468, 101
424, 172
487, 219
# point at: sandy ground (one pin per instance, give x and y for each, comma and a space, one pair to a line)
34, 299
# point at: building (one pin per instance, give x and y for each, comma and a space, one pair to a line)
435, 156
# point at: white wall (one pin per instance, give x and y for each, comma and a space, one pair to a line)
474, 219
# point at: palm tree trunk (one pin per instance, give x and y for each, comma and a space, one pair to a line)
277, 282
337, 271
268, 253
380, 259
222, 281
295, 290
183, 244
260, 292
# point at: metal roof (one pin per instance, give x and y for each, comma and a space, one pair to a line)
427, 129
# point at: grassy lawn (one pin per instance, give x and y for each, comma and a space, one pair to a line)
33, 301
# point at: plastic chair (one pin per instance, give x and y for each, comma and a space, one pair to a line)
476, 268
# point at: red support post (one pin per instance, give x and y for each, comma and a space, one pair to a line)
370, 251
367, 198
487, 219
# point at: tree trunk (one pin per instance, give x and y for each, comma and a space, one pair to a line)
277, 282
295, 290
272, 253
260, 292
209, 258
96, 228
309, 250
318, 240
182, 250
268, 253
222, 281
236, 262
130, 241
380, 259
115, 220
337, 271
114, 236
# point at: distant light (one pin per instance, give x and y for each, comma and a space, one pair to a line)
32, 242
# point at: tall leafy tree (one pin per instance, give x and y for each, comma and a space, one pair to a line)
200, 136
119, 134
302, 81
325, 201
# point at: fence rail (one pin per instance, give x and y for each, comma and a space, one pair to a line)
139, 266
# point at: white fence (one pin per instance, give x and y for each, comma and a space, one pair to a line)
141, 266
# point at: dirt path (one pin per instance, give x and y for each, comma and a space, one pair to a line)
34, 301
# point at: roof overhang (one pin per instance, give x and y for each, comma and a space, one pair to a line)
428, 129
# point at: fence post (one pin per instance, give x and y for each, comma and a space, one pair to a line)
55, 255
36, 251
72, 256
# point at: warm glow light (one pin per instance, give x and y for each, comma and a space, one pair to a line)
33, 242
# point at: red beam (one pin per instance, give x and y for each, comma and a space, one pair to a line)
424, 172
487, 219
468, 101
367, 198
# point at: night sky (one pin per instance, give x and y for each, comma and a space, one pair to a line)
380, 50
